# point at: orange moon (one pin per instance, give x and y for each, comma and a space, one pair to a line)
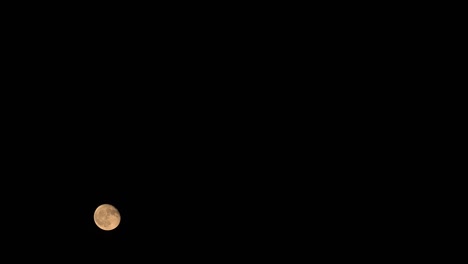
107, 217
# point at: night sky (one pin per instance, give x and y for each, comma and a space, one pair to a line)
151, 120
187, 181
175, 146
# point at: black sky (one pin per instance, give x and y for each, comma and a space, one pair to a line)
186, 179
160, 129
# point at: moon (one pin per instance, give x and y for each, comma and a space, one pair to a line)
107, 217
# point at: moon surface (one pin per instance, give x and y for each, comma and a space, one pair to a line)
107, 217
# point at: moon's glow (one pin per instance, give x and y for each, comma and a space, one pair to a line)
107, 217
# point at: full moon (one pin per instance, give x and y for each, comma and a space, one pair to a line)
107, 217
